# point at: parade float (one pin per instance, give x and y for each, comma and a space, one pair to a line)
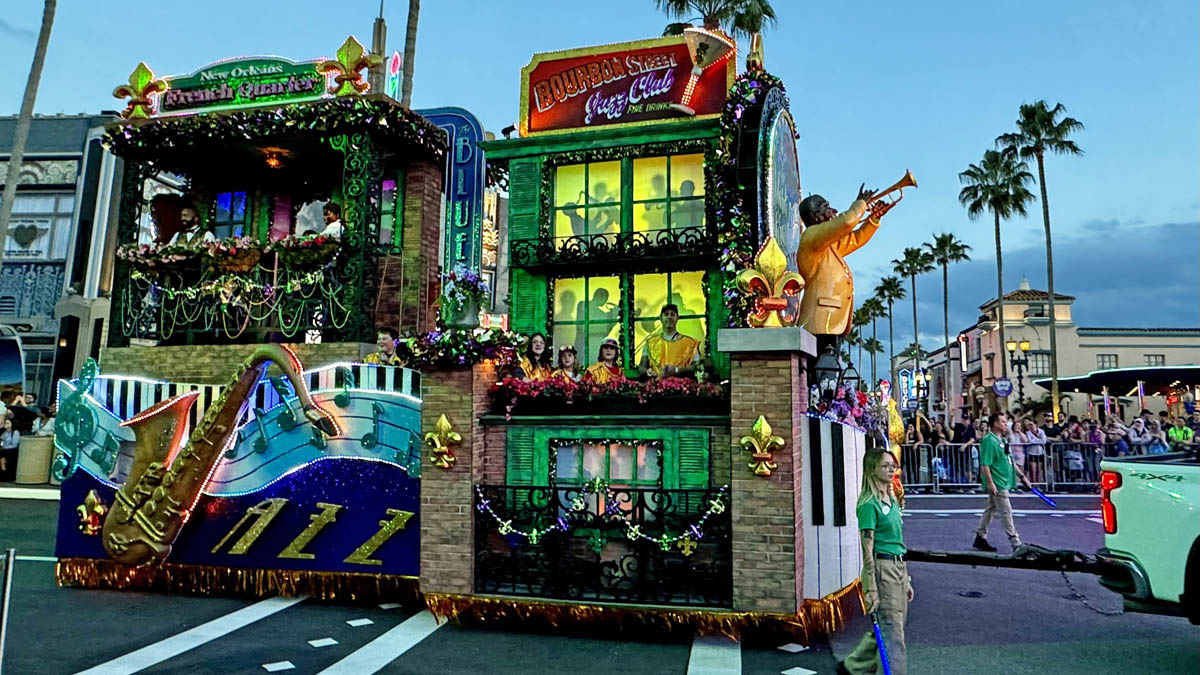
647, 176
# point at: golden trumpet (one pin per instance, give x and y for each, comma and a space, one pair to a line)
909, 181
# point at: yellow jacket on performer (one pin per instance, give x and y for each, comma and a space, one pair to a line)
828, 298
603, 374
533, 372
378, 358
680, 352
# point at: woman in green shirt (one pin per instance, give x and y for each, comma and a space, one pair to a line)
886, 586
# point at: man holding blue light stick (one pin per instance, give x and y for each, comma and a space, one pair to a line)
998, 475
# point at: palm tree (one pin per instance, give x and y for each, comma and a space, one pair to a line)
889, 290
997, 184
860, 320
873, 347
873, 306
914, 263
1039, 130
24, 120
410, 52
945, 249
739, 18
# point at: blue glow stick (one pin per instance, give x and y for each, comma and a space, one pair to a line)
1043, 497
883, 657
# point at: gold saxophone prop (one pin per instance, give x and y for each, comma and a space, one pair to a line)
154, 503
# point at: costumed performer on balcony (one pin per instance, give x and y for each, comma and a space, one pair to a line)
331, 213
886, 587
536, 364
667, 352
192, 232
385, 339
828, 236
568, 364
608, 364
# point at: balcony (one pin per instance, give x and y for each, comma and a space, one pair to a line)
601, 250
595, 543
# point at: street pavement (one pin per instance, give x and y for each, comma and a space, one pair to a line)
963, 620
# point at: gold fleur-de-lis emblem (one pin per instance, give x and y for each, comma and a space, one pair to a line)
442, 440
770, 284
352, 57
142, 85
687, 546
761, 443
91, 514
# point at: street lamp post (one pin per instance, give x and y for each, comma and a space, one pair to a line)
922, 378
1019, 363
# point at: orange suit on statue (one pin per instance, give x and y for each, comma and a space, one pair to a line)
828, 298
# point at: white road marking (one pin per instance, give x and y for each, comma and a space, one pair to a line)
359, 622
190, 639
377, 653
323, 642
715, 655
37, 558
278, 666
792, 648
29, 493
1096, 519
389, 605
798, 671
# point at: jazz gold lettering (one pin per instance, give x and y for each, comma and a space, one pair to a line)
388, 527
263, 513
319, 520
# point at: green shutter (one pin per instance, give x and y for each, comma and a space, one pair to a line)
520, 456
693, 458
716, 321
524, 195
527, 304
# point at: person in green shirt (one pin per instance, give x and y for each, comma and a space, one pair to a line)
1180, 434
886, 587
998, 475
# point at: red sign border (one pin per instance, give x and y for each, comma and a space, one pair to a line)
541, 57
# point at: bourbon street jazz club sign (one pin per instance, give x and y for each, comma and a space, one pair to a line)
242, 83
620, 84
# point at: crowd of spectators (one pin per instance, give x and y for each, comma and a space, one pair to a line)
20, 415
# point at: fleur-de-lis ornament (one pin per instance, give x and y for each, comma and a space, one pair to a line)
352, 57
442, 440
91, 514
761, 443
770, 284
142, 85
687, 546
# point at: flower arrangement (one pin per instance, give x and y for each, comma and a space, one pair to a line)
237, 254
463, 288
510, 391
849, 407
304, 250
445, 349
152, 257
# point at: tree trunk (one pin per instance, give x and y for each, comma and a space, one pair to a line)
1000, 300
875, 339
891, 347
1054, 395
24, 120
916, 335
946, 312
410, 52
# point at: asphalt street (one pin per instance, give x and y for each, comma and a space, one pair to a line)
963, 620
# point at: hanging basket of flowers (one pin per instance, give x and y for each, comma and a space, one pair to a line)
306, 251
238, 255
157, 261
463, 295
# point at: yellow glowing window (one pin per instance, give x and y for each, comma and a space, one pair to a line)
652, 291
586, 310
668, 192
587, 199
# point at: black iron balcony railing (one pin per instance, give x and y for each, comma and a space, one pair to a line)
604, 544
655, 245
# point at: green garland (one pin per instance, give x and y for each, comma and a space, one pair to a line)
158, 139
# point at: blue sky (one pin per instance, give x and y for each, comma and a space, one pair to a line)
876, 87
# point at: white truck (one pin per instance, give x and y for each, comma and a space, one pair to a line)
1151, 511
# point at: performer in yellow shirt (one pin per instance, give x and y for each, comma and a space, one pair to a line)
608, 364
385, 338
669, 353
535, 363
568, 364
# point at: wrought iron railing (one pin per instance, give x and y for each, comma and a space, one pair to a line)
655, 244
604, 544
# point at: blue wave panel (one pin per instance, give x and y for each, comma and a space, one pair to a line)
364, 488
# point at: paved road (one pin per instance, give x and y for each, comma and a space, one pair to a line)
964, 620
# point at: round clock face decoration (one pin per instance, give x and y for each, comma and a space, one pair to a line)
782, 209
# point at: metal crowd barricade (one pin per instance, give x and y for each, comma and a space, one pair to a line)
955, 466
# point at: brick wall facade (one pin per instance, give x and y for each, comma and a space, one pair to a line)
408, 286
768, 545
214, 364
447, 495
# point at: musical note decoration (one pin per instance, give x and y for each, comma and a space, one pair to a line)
75, 424
342, 400
442, 440
371, 438
761, 442
770, 284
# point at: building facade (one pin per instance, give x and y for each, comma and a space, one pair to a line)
56, 244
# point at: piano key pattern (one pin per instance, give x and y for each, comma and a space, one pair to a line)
833, 455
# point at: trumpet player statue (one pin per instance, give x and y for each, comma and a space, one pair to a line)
828, 237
